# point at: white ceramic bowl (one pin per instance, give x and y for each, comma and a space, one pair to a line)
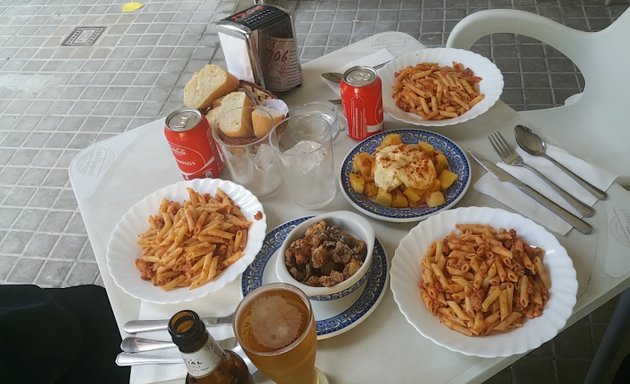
491, 84
350, 222
123, 248
406, 272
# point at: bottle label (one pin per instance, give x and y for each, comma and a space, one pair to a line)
281, 65
203, 361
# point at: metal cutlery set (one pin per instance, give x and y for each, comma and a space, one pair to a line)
531, 143
138, 350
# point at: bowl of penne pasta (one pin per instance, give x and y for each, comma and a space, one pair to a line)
483, 281
186, 240
440, 86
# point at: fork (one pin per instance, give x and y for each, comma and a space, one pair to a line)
509, 156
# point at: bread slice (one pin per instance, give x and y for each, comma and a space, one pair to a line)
212, 114
234, 117
208, 84
256, 92
264, 118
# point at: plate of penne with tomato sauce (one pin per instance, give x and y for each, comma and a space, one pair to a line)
483, 282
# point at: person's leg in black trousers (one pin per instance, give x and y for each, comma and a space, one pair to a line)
58, 335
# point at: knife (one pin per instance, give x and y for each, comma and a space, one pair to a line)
125, 359
135, 326
504, 176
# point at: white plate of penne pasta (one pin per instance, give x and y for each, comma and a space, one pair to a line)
186, 240
483, 282
439, 86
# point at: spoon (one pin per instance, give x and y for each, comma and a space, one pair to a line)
533, 144
336, 77
136, 326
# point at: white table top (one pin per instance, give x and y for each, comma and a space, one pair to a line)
110, 176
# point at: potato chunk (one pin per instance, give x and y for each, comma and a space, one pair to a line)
390, 139
435, 185
441, 160
399, 200
357, 182
447, 178
424, 146
436, 198
363, 163
414, 194
384, 198
370, 189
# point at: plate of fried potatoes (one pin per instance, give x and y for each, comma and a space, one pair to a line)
439, 86
404, 175
186, 240
483, 282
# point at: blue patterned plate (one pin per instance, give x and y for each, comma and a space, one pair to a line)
456, 157
332, 317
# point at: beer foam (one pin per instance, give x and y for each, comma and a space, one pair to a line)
275, 323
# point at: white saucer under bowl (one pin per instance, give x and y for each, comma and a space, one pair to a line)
332, 317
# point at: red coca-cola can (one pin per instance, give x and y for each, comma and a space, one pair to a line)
188, 133
362, 100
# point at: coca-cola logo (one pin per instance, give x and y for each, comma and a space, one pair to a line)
178, 151
189, 160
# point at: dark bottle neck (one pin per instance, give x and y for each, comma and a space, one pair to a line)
199, 350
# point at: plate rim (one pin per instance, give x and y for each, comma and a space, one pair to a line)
348, 194
568, 291
416, 120
207, 184
271, 244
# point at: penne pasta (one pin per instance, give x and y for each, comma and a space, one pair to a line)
436, 92
542, 273
503, 304
492, 296
191, 243
490, 281
523, 285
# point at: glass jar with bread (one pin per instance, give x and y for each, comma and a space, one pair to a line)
240, 116
241, 132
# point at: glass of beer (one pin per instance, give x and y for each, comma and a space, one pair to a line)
275, 326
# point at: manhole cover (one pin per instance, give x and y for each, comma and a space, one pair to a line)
82, 36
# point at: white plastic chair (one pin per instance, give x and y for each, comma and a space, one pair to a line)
597, 121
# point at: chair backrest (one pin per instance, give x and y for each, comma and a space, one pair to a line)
597, 124
604, 59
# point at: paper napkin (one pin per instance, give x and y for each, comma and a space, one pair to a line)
373, 59
511, 196
221, 302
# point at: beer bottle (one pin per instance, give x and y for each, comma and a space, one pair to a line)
206, 361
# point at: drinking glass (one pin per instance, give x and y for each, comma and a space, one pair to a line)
303, 145
327, 111
250, 160
275, 326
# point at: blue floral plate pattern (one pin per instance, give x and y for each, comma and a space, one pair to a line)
332, 317
456, 157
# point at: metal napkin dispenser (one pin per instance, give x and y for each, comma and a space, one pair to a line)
259, 46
